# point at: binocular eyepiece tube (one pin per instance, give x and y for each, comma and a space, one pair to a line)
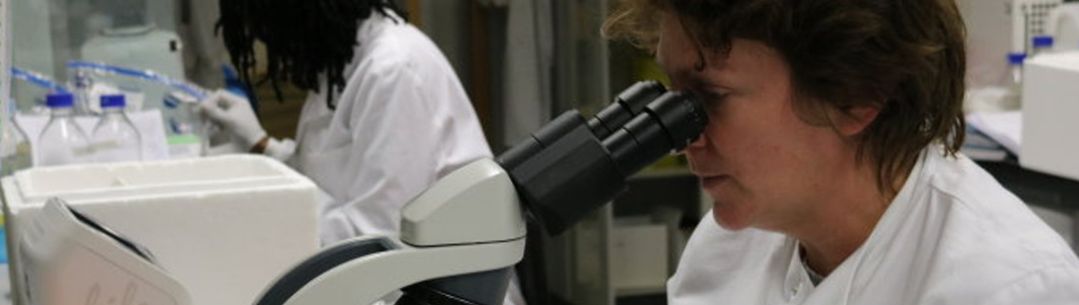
572, 166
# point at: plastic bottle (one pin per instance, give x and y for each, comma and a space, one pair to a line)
1042, 44
1014, 83
62, 141
115, 138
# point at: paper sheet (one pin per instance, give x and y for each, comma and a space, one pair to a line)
1005, 127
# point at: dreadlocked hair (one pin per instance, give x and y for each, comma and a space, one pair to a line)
304, 39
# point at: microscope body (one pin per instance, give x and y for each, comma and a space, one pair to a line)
461, 237
470, 221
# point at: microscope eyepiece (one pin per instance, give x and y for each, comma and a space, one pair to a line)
667, 124
570, 167
627, 105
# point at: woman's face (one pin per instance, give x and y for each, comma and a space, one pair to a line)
763, 165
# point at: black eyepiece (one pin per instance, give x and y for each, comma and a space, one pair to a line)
571, 167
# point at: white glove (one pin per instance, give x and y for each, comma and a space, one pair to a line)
234, 114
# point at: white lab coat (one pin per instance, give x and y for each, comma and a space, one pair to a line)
402, 121
952, 235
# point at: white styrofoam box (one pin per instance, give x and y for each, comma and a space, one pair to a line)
225, 226
639, 258
1051, 114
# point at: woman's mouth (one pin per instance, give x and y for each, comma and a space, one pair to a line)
709, 182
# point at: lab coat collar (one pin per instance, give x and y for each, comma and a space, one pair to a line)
900, 211
370, 29
797, 285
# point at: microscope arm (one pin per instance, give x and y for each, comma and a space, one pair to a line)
468, 222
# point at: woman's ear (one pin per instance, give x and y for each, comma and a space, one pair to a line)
852, 120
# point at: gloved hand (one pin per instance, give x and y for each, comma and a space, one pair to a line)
234, 114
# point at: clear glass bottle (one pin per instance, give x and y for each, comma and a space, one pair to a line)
1013, 84
15, 152
115, 138
62, 141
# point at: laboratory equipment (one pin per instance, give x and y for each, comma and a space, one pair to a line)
142, 88
143, 46
115, 138
223, 227
1030, 18
461, 236
70, 258
1049, 115
149, 90
994, 29
1041, 44
62, 141
48, 34
132, 40
1064, 26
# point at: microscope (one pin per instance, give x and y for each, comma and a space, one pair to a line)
461, 237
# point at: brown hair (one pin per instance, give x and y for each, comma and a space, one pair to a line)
905, 57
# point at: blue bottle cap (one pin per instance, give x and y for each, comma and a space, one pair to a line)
1043, 41
59, 100
112, 100
1016, 58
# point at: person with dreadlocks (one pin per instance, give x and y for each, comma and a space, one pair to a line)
384, 118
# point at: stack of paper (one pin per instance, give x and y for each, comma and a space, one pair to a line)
988, 132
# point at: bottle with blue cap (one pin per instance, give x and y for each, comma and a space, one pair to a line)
62, 141
1042, 44
115, 138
